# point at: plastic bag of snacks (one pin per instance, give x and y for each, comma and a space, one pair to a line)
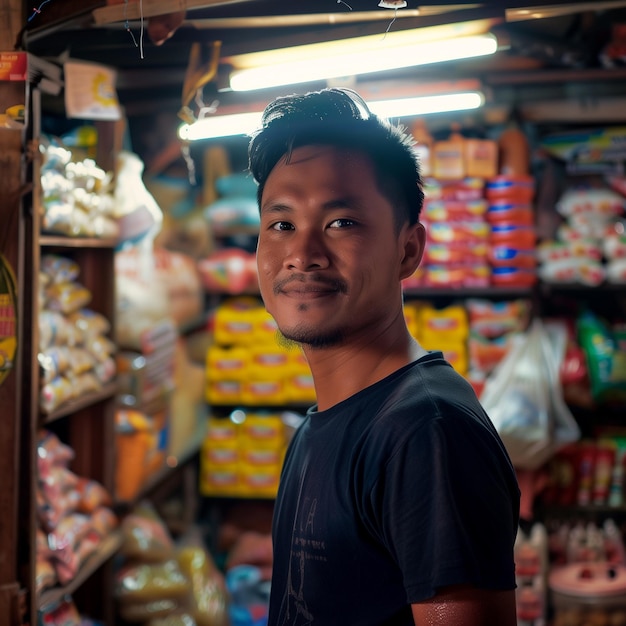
524, 399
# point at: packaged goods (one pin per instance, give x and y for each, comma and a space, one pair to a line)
513, 234
507, 256
513, 277
152, 583
77, 197
452, 210
508, 212
606, 358
505, 188
59, 269
67, 297
481, 158
584, 593
576, 270
524, 400
448, 161
145, 536
208, 596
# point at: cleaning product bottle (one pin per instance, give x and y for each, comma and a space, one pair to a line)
449, 156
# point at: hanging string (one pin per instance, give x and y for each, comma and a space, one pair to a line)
127, 26
141, 31
342, 2
395, 15
37, 11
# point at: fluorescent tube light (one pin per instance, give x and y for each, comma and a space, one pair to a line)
425, 105
359, 59
244, 123
220, 126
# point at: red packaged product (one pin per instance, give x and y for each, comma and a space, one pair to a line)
513, 188
508, 212
507, 256
513, 277
513, 235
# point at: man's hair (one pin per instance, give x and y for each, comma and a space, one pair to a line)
340, 118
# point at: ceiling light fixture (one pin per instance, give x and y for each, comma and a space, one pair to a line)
359, 56
215, 126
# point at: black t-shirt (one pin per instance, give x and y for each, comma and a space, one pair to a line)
401, 489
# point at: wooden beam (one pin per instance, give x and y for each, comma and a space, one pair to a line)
11, 22
149, 8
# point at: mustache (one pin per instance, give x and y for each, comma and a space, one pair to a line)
314, 279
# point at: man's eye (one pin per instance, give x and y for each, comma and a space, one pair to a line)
282, 226
341, 223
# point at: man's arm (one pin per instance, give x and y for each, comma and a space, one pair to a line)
464, 605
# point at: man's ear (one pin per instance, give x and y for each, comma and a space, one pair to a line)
414, 242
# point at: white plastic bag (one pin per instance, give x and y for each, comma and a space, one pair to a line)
524, 400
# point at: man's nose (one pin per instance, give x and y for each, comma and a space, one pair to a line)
308, 251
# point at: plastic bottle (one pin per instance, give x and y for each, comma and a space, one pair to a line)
514, 151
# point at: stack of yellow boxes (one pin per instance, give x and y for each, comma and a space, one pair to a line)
251, 373
246, 365
444, 329
242, 455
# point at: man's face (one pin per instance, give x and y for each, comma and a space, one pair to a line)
329, 256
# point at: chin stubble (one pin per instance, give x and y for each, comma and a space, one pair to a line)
309, 337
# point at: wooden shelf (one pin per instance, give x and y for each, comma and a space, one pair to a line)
108, 548
59, 241
77, 404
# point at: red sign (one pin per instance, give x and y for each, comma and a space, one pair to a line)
13, 66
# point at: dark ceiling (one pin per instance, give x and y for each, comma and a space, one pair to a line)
542, 58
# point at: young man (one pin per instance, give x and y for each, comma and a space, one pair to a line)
398, 503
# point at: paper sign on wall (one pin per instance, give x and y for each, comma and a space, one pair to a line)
90, 91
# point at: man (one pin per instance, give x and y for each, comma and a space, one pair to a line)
398, 503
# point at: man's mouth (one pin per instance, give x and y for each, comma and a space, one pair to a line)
299, 287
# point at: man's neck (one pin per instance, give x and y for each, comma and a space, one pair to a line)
342, 371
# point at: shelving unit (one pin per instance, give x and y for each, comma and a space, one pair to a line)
85, 423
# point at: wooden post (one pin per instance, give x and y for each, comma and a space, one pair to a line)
12, 596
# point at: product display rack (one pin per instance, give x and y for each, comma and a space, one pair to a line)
86, 423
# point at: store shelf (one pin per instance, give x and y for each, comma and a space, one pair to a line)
469, 292
250, 497
569, 511
82, 402
107, 549
59, 241
577, 288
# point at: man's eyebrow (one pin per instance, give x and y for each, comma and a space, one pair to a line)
275, 207
343, 202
